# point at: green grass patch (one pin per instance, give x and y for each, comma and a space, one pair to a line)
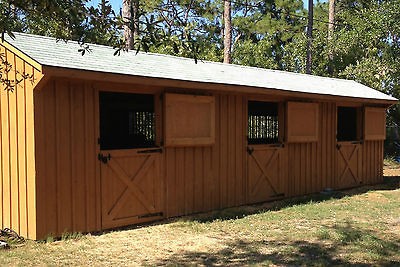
356, 227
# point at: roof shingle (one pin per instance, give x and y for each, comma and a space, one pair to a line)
49, 52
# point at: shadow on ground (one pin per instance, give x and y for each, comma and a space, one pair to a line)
390, 183
295, 253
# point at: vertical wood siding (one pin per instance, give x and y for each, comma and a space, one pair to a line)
312, 166
17, 161
372, 162
211, 177
67, 167
66, 194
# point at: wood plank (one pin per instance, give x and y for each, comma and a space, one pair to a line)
223, 168
49, 192
63, 141
2, 202
215, 162
14, 175
231, 175
324, 151
171, 183
200, 180
189, 179
21, 150
79, 183
90, 139
6, 194
239, 149
180, 180
30, 157
96, 121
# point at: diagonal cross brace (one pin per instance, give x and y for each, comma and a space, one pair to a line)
348, 166
131, 188
264, 171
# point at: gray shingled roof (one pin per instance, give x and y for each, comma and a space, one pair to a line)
48, 52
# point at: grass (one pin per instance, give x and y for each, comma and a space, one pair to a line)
356, 227
390, 162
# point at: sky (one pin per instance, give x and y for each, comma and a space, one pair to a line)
118, 3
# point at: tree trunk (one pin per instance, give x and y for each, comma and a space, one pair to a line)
331, 28
127, 19
135, 9
309, 36
227, 32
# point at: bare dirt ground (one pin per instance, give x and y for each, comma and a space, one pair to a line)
391, 172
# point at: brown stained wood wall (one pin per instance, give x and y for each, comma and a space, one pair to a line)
210, 177
17, 161
197, 178
68, 185
311, 166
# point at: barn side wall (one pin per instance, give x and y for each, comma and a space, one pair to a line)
196, 178
17, 159
68, 182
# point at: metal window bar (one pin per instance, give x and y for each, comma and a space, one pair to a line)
142, 123
263, 129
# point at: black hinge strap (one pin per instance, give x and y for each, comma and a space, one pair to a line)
155, 150
157, 214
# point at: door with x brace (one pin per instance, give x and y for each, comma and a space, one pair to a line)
349, 164
131, 184
265, 173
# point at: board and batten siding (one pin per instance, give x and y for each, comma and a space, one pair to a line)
204, 178
68, 183
17, 156
196, 178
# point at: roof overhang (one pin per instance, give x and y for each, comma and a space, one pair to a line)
22, 55
171, 83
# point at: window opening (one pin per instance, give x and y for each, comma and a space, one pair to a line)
347, 124
126, 121
263, 126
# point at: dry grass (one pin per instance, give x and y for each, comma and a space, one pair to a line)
360, 226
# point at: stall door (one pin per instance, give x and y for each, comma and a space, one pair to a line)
131, 183
349, 164
264, 173
131, 174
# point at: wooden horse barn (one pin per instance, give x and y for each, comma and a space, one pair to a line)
100, 141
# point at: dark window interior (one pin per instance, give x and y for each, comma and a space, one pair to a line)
262, 123
126, 121
347, 124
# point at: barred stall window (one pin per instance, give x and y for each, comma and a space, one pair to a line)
263, 125
126, 121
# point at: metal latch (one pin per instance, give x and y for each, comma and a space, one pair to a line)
104, 158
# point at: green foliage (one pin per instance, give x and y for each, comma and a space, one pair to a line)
266, 33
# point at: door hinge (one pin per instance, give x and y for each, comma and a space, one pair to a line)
158, 214
250, 150
104, 158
